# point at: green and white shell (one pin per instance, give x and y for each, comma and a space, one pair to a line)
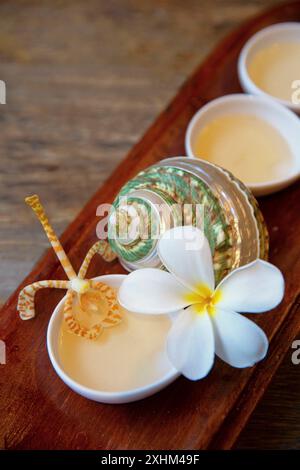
227, 211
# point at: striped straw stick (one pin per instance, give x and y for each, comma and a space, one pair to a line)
35, 204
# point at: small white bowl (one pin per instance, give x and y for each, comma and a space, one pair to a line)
280, 32
281, 118
125, 396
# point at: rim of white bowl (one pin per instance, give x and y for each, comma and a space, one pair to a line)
245, 80
126, 396
268, 186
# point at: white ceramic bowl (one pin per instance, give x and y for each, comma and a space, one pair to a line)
92, 394
281, 118
280, 32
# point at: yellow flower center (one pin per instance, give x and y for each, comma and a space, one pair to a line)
204, 299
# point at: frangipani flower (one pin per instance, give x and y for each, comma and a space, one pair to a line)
207, 322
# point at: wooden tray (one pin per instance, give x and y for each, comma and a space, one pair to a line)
38, 411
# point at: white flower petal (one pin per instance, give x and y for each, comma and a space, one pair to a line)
256, 287
190, 344
152, 291
186, 254
238, 340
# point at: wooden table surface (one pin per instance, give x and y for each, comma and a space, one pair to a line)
84, 79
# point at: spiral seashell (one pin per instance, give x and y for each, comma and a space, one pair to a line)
180, 191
